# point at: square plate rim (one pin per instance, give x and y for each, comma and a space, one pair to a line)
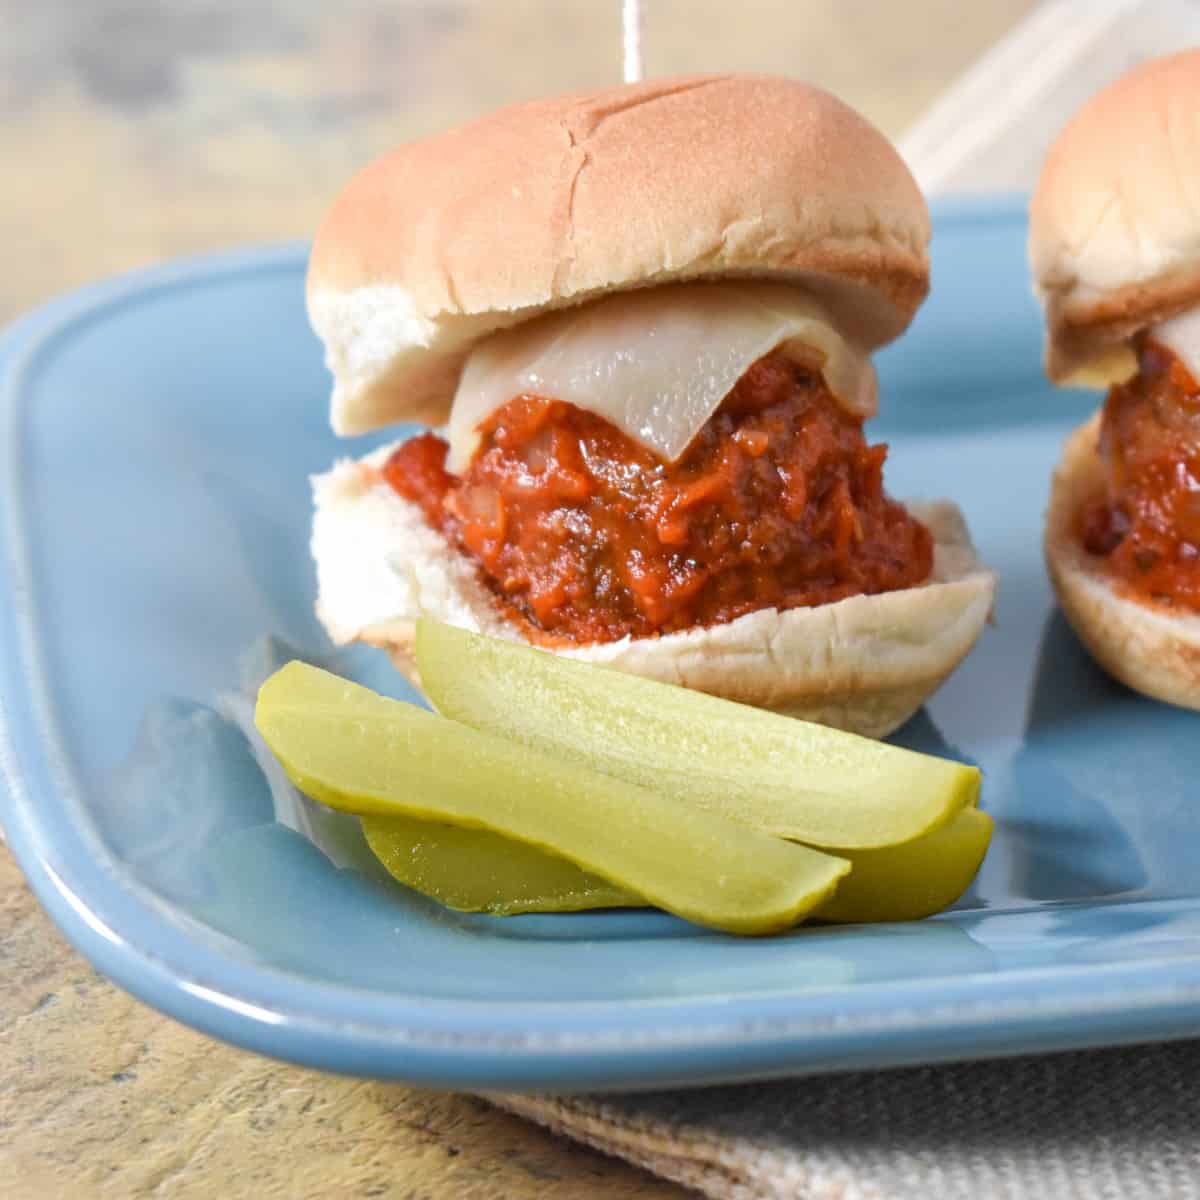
127, 933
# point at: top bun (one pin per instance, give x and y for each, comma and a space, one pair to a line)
553, 202
1114, 236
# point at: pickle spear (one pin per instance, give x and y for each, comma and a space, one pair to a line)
773, 773
918, 879
479, 871
354, 750
476, 870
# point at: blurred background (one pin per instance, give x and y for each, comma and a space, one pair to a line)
134, 130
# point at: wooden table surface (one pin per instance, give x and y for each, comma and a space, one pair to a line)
134, 130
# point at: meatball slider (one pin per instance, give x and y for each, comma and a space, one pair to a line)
644, 316
1115, 250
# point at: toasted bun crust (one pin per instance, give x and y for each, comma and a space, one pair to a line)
866, 663
1149, 649
553, 202
1114, 235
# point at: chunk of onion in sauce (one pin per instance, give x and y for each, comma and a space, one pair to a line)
1182, 335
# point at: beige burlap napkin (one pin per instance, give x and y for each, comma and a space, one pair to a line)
1101, 1125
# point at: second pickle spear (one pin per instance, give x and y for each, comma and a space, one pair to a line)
476, 870
791, 778
918, 879
480, 871
354, 750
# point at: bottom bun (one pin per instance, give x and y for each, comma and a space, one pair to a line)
866, 663
1153, 650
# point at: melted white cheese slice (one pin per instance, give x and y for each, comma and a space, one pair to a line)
1182, 334
656, 363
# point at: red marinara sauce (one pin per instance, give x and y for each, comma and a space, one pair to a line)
587, 536
1146, 522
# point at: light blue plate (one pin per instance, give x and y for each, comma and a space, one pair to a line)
158, 432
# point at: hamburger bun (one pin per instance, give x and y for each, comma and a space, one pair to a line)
1114, 236
1149, 648
558, 201
866, 663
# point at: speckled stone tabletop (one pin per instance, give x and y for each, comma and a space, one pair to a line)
134, 130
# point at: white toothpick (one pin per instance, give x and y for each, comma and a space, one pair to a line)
631, 39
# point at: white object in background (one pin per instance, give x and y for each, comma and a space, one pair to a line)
631, 39
990, 130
